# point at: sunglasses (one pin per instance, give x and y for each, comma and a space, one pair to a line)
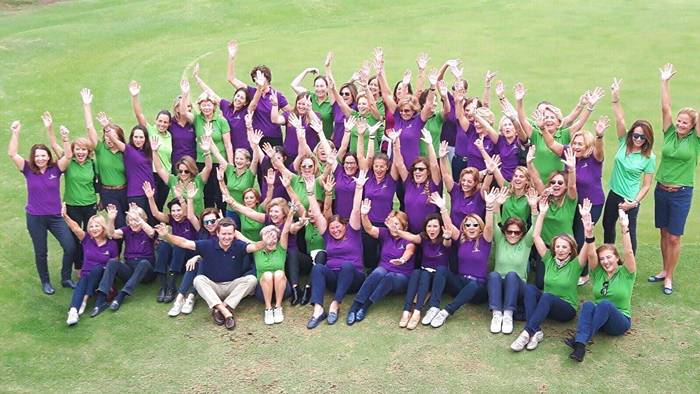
307, 166
640, 137
604, 289
183, 171
472, 225
345, 93
560, 183
406, 111
513, 232
209, 222
420, 168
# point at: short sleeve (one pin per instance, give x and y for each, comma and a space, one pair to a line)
650, 166
200, 246
223, 125
281, 100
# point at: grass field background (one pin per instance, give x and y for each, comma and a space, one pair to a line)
48, 52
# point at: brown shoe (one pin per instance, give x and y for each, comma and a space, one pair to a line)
230, 323
217, 317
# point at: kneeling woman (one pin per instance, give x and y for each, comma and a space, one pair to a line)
395, 262
612, 289
469, 284
343, 271
562, 269
97, 250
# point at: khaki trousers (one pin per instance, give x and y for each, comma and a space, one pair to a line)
231, 292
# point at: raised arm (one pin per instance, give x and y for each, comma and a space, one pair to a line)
532, 171
72, 224
12, 147
667, 73
629, 261
576, 111
175, 240
366, 223
588, 251
460, 114
570, 163
486, 96
592, 98
440, 202
397, 157
111, 216
48, 125
598, 148
275, 161
86, 97
208, 147
422, 62
296, 83
320, 220
537, 232
553, 144
491, 198
134, 90
427, 138
520, 108
344, 107
163, 174
231, 66
202, 85
444, 98
150, 193
64, 160
191, 214
355, 220
284, 237
185, 109
617, 108
445, 167
429, 106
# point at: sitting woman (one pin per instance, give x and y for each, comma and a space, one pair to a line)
343, 271
562, 269
97, 250
435, 251
474, 248
612, 288
395, 262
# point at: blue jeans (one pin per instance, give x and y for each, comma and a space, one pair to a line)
379, 284
186, 284
602, 317
86, 286
118, 199
610, 216
38, 226
579, 236
370, 248
132, 272
539, 306
463, 288
348, 279
296, 262
504, 293
458, 164
671, 209
418, 286
171, 258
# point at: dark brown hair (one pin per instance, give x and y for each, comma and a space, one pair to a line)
146, 144
648, 133
265, 70
32, 152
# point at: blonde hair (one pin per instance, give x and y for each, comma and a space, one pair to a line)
99, 220
526, 174
410, 101
243, 152
82, 142
278, 201
477, 218
474, 173
400, 216
137, 211
486, 114
692, 112
588, 141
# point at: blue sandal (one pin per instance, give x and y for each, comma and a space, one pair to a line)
667, 290
654, 279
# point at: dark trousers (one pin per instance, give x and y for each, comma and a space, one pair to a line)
86, 286
371, 249
418, 286
38, 227
504, 293
348, 279
458, 164
540, 306
464, 289
610, 216
81, 215
297, 263
212, 192
379, 284
171, 259
236, 218
602, 317
162, 191
142, 202
118, 199
579, 236
131, 272
186, 284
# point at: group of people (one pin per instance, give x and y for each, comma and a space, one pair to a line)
417, 190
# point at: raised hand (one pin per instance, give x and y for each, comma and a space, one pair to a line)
161, 229
502, 196
488, 77
519, 91
270, 176
393, 135
47, 119
86, 95
446, 232
148, 190
538, 117
442, 152
295, 121
361, 178
134, 88
191, 189
102, 119
615, 89
457, 71
195, 71
585, 208
479, 143
309, 183
433, 77
349, 123
286, 180
111, 212
378, 56
426, 136
372, 130
329, 184
406, 78
316, 125
155, 143
459, 94
232, 48
64, 132
667, 72
185, 87
208, 129
437, 200
453, 63
500, 89
366, 206
255, 137
361, 125
269, 150
205, 143
442, 87
569, 159
587, 222
220, 174
273, 98
329, 59
600, 125
248, 118
261, 80
543, 204
532, 197
491, 164
422, 61
530, 154
490, 196
16, 126
594, 96
363, 72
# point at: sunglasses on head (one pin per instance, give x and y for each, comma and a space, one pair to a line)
472, 225
560, 183
209, 222
604, 289
640, 137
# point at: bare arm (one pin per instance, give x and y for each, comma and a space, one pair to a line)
575, 112
14, 145
73, 225
486, 96
532, 171
284, 237
150, 192
667, 73
48, 124
185, 101
202, 85
191, 215
446, 168
630, 261
64, 160
537, 232
296, 83
175, 240
552, 144
398, 157
134, 89
231, 66
366, 223
520, 108
617, 108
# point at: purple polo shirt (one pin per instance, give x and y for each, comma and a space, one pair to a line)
589, 179
261, 117
339, 123
183, 228
393, 248
236, 122
291, 142
184, 141
344, 192
278, 189
449, 125
435, 254
139, 169
463, 205
464, 147
473, 257
95, 255
345, 250
509, 154
382, 196
137, 245
43, 190
410, 136
417, 204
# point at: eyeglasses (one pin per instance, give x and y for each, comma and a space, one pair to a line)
345, 93
560, 183
604, 289
350, 163
471, 225
183, 171
307, 166
513, 232
209, 222
640, 137
420, 168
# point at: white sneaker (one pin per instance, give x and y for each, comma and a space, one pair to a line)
535, 340
269, 317
176, 308
278, 315
520, 342
439, 319
496, 322
188, 305
507, 327
82, 308
72, 317
430, 315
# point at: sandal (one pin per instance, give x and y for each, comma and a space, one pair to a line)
654, 279
667, 290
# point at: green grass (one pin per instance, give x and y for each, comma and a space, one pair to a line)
558, 49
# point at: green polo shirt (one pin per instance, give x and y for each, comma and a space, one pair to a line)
221, 127
679, 157
314, 239
110, 165
269, 261
559, 219
165, 150
515, 207
237, 184
299, 188
547, 161
79, 187
512, 258
250, 228
562, 282
198, 198
434, 126
619, 288
325, 110
629, 170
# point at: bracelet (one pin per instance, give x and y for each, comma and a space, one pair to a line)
443, 210
309, 193
615, 102
626, 231
590, 240
590, 109
371, 137
599, 137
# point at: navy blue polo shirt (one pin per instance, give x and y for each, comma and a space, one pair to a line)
222, 265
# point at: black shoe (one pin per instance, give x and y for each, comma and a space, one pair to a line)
579, 352
161, 295
114, 306
68, 283
306, 296
315, 321
98, 309
296, 295
169, 295
47, 288
570, 341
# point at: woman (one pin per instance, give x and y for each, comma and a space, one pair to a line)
395, 263
512, 137
562, 195
633, 170
207, 122
365, 109
435, 122
43, 178
109, 160
474, 247
520, 186
435, 241
321, 101
344, 184
559, 300
511, 252
343, 271
299, 118
159, 132
97, 250
138, 261
466, 153
467, 198
675, 179
138, 163
613, 280
348, 97
79, 192
184, 139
